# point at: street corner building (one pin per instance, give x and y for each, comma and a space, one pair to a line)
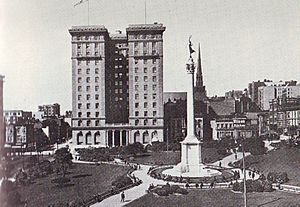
117, 85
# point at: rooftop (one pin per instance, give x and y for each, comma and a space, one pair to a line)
90, 28
139, 27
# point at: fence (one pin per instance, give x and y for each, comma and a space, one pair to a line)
205, 185
284, 187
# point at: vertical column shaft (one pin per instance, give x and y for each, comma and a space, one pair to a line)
190, 108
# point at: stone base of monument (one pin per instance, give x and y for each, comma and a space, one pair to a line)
191, 171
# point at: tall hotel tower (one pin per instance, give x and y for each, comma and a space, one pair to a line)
117, 85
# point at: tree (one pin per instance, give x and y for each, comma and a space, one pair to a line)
63, 159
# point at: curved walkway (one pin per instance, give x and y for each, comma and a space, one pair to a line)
132, 193
231, 158
139, 191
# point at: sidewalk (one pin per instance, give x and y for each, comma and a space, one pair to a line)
231, 158
132, 193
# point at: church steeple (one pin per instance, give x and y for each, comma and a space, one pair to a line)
200, 92
199, 76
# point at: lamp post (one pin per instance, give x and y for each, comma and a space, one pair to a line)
244, 171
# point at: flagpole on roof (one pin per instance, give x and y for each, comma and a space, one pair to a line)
88, 5
145, 11
88, 9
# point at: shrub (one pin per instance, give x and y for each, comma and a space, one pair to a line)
282, 178
267, 186
236, 186
161, 192
167, 189
122, 181
253, 186
277, 177
159, 146
262, 177
181, 191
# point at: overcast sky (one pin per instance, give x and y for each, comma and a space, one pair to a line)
241, 41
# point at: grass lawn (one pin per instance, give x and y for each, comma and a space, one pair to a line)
18, 163
94, 179
171, 158
218, 198
284, 159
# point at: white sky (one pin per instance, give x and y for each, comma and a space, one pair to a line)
241, 41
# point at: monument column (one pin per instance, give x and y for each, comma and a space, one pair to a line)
190, 146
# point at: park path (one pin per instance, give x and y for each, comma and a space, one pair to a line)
231, 158
132, 193
138, 191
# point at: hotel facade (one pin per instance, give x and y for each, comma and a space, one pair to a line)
117, 85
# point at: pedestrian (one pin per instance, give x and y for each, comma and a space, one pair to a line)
187, 185
249, 174
201, 185
235, 156
220, 164
211, 184
253, 175
123, 197
230, 184
197, 185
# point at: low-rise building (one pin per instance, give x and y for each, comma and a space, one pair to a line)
50, 110
235, 126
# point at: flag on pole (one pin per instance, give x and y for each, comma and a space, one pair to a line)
80, 2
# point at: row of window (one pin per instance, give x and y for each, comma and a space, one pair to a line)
154, 96
154, 70
90, 37
96, 53
120, 75
120, 83
146, 122
136, 61
120, 66
88, 80
88, 45
143, 36
146, 52
88, 114
87, 71
224, 126
137, 105
154, 78
136, 88
88, 123
88, 88
88, 97
121, 99
88, 106
154, 113
87, 62
145, 44
137, 122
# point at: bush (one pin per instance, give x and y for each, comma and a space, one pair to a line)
161, 192
253, 186
167, 189
181, 191
267, 186
122, 181
277, 177
159, 146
